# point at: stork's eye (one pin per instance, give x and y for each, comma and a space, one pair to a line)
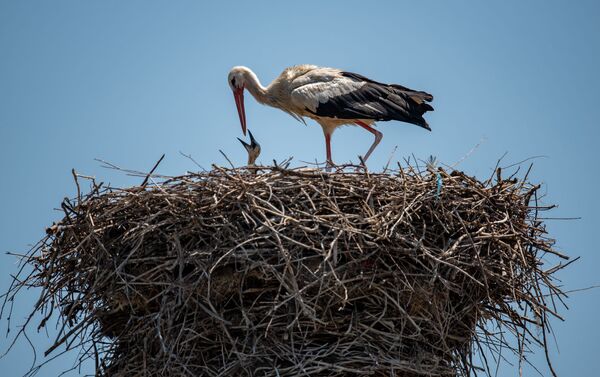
233, 82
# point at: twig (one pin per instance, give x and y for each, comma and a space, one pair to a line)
143, 185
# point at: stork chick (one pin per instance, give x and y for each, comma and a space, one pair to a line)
253, 149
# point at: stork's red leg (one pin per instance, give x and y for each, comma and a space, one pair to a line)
378, 137
328, 147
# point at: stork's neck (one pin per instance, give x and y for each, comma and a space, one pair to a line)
255, 88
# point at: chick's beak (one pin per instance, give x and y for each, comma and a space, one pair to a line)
238, 94
246, 145
253, 142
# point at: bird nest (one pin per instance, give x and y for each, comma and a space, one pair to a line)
286, 272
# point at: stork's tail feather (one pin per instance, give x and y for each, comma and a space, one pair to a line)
421, 122
422, 96
423, 108
418, 107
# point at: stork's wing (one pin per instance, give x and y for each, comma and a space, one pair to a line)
344, 95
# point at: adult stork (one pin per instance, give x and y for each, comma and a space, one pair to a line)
333, 98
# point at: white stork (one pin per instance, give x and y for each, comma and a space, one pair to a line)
333, 98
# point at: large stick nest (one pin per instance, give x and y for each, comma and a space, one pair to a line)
299, 272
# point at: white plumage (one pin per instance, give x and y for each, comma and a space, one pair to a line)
310, 95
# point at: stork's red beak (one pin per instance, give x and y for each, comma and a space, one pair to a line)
238, 94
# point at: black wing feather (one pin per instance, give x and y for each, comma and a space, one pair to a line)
377, 101
426, 96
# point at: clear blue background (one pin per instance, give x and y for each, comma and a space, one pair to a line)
126, 81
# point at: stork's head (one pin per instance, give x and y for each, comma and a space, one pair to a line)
253, 149
237, 82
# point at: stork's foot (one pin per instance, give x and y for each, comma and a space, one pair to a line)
329, 165
362, 166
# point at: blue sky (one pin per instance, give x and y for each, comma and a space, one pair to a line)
126, 81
